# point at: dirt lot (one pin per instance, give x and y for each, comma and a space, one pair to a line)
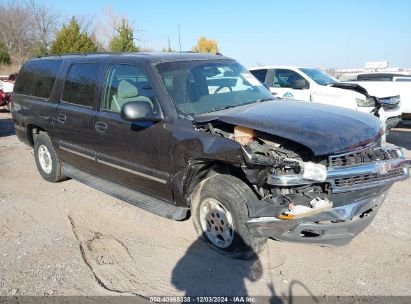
69, 239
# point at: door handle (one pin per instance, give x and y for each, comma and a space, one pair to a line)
61, 118
101, 127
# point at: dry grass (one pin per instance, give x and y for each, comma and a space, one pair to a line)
9, 69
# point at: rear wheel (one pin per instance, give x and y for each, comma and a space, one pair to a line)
47, 161
219, 213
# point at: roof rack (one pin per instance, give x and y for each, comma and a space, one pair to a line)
112, 53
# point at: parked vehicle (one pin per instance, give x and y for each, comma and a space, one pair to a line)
6, 88
379, 76
309, 84
183, 134
389, 84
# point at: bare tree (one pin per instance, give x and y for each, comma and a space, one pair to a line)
16, 30
46, 21
107, 25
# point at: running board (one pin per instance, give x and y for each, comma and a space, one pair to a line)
128, 195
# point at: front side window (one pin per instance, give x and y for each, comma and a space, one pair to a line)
127, 83
209, 85
283, 78
319, 77
80, 84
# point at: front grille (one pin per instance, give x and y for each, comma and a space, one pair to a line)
367, 178
406, 116
361, 157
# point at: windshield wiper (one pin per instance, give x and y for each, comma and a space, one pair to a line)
262, 99
239, 105
222, 108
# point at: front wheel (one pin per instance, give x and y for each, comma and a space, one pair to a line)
219, 213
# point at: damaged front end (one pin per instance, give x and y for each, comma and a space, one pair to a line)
324, 200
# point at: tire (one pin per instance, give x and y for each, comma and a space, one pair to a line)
218, 203
47, 161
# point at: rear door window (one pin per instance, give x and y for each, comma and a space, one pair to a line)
36, 78
80, 85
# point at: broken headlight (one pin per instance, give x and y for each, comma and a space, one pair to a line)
390, 102
315, 172
368, 102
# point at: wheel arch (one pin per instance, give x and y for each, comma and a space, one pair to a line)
33, 129
199, 170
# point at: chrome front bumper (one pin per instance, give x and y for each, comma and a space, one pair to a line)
356, 177
333, 227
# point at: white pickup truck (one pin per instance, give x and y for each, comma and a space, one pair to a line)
379, 84
314, 85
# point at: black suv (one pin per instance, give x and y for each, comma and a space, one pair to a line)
182, 134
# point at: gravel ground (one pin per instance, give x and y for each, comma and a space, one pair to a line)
69, 239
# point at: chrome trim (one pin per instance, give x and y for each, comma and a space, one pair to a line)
378, 167
393, 102
126, 164
288, 180
263, 219
77, 153
340, 213
132, 171
163, 181
371, 184
399, 152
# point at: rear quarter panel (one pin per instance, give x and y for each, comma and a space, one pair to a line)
30, 110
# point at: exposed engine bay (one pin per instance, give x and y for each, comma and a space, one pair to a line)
267, 156
307, 192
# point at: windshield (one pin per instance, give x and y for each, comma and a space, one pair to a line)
205, 86
319, 77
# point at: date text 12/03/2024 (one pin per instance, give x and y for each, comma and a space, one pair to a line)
203, 299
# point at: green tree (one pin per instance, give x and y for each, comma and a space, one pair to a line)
205, 45
70, 39
4, 55
37, 49
123, 40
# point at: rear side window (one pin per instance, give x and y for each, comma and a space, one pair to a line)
260, 74
373, 78
80, 84
36, 78
403, 79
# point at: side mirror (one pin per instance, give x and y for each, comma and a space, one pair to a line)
300, 84
137, 111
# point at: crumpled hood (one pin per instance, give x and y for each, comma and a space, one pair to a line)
323, 129
350, 86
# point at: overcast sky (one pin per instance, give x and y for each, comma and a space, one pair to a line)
336, 34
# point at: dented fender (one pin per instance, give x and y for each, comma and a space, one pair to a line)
194, 151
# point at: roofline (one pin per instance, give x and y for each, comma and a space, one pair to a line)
123, 53
398, 74
279, 67
101, 53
